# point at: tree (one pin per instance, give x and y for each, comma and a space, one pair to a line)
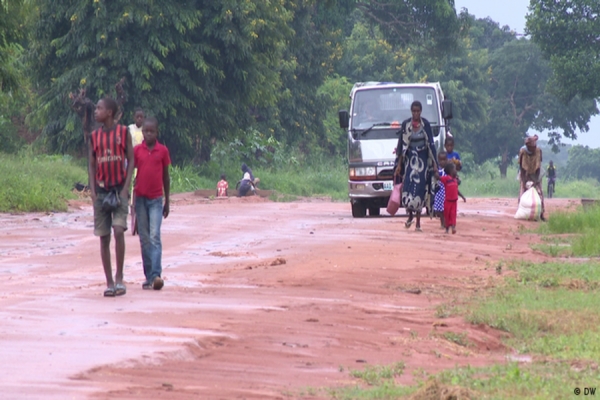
197, 65
567, 33
520, 101
583, 163
412, 22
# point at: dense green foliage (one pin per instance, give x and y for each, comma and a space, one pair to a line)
567, 33
258, 81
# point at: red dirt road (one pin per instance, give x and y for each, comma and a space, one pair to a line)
261, 300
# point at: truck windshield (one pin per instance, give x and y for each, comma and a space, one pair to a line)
381, 105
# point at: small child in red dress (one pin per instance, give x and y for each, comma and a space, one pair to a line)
450, 182
222, 187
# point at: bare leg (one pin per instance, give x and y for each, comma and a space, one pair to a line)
442, 220
105, 256
120, 250
418, 227
409, 220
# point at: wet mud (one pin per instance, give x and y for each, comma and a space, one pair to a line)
261, 299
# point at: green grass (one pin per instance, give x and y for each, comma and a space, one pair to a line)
480, 187
550, 309
583, 224
37, 183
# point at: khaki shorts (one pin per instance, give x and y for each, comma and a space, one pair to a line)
104, 221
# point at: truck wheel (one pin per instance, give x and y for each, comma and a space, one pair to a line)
374, 211
358, 209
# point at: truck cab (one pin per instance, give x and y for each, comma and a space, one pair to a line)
373, 125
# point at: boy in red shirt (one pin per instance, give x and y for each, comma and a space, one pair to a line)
152, 161
222, 187
450, 182
110, 147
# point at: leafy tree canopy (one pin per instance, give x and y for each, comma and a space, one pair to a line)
567, 32
196, 65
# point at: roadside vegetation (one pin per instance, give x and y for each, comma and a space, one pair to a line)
551, 317
38, 182
572, 234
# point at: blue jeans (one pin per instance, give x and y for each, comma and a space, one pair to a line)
149, 215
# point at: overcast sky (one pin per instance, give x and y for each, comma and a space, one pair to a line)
512, 13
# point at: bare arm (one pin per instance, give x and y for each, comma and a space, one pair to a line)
92, 170
166, 188
130, 166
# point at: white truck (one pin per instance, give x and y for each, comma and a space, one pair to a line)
373, 125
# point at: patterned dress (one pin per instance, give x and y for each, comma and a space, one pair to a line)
440, 195
419, 164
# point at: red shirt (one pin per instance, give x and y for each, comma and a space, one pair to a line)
150, 165
110, 151
222, 187
451, 186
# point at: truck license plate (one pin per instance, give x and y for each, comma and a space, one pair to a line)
387, 185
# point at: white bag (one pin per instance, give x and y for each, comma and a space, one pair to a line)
530, 205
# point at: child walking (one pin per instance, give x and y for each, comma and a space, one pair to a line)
222, 186
137, 137
440, 195
450, 183
152, 160
452, 155
110, 147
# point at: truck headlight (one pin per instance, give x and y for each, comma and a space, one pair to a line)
362, 173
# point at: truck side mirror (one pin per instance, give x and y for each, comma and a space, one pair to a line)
344, 119
447, 109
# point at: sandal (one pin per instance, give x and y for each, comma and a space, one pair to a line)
120, 289
408, 223
418, 229
109, 292
147, 285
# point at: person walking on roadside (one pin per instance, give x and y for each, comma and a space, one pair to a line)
440, 194
152, 161
109, 151
530, 165
450, 182
137, 137
418, 161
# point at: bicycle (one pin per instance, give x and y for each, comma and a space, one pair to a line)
551, 184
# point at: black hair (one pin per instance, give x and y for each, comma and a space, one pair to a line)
449, 139
442, 153
137, 110
111, 104
151, 120
416, 103
223, 177
449, 168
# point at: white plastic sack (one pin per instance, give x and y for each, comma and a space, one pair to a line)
530, 205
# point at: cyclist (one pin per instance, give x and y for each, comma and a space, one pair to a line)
551, 173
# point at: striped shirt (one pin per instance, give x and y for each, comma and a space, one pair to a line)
110, 150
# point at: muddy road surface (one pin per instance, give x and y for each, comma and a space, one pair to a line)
261, 300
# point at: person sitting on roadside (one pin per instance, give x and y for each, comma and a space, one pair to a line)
247, 185
222, 186
530, 163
